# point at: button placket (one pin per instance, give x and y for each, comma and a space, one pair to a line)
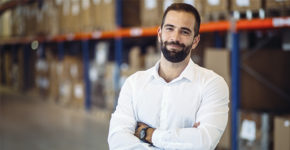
164, 108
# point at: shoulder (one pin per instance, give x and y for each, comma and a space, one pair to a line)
208, 77
140, 77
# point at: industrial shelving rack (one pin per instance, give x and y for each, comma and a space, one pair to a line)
233, 27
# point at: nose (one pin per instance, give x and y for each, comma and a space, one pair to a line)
175, 36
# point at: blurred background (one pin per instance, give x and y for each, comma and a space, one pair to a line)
63, 62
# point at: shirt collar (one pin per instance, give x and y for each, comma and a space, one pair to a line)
187, 73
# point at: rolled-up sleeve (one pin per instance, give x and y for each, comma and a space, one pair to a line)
212, 115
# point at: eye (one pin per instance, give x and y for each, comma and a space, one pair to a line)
184, 32
169, 29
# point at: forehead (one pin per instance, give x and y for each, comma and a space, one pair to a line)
180, 19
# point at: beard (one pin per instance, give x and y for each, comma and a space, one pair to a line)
175, 56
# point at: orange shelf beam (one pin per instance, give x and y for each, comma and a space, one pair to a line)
215, 26
152, 31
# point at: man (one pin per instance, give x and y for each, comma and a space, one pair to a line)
176, 104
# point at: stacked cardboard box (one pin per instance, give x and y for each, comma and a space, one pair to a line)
110, 85
263, 88
102, 78
30, 19
131, 13
218, 60
47, 19
216, 6
256, 130
42, 76
215, 10
18, 21
282, 133
97, 14
152, 10
244, 5
86, 15
107, 18
151, 13
70, 77
277, 4
6, 24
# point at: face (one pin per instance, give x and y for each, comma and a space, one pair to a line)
177, 36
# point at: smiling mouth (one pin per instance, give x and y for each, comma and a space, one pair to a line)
175, 46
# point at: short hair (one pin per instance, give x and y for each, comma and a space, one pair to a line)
186, 8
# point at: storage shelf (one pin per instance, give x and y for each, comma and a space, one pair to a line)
12, 4
267, 23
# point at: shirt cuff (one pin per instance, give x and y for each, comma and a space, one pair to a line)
157, 138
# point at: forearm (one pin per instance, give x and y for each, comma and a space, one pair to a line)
121, 134
185, 139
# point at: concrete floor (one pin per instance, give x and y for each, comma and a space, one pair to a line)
28, 123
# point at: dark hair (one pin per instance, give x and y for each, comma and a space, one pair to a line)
186, 8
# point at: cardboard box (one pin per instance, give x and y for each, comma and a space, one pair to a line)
86, 16
110, 86
78, 100
65, 92
18, 21
244, 5
42, 81
151, 12
54, 81
282, 133
131, 13
277, 4
67, 14
198, 4
107, 18
218, 60
50, 22
6, 23
97, 14
74, 23
213, 6
97, 80
256, 129
260, 86
30, 13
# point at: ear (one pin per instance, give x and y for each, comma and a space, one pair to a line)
159, 34
195, 41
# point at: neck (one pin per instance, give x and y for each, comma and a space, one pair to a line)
169, 71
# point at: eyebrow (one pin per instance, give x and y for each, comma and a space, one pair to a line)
182, 28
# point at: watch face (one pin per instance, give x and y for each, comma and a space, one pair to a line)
142, 134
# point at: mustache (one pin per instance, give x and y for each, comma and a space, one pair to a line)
174, 43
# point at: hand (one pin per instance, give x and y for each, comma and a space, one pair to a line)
139, 127
149, 133
196, 124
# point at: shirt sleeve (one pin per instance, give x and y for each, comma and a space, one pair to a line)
212, 115
123, 123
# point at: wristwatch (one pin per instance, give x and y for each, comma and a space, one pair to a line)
143, 134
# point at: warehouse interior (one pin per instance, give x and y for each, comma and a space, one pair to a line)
63, 63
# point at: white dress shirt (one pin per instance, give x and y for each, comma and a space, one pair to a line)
197, 95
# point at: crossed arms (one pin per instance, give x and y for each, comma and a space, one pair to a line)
212, 116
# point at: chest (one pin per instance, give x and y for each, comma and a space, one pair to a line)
167, 106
